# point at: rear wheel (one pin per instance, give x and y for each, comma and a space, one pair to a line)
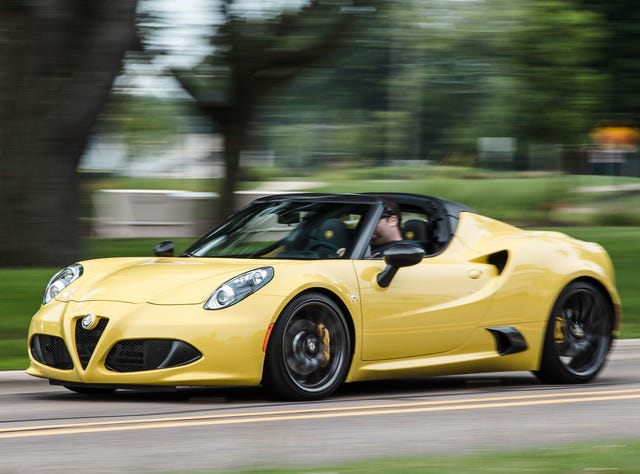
309, 350
578, 335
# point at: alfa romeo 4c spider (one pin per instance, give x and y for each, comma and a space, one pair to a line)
287, 294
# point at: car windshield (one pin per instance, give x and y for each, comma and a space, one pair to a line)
291, 229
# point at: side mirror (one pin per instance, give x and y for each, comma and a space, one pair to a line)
164, 249
398, 256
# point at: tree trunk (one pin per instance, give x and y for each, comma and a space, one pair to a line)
234, 134
59, 60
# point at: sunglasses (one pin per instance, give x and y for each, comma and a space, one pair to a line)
388, 212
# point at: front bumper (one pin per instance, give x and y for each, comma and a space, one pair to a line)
146, 344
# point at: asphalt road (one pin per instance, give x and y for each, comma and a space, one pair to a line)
49, 429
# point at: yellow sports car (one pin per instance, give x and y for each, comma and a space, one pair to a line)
290, 294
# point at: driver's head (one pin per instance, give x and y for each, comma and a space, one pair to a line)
389, 225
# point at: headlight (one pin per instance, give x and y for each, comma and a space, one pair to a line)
239, 288
61, 280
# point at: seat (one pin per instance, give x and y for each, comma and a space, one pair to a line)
420, 232
332, 239
415, 229
334, 232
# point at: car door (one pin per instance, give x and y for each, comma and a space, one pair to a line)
428, 308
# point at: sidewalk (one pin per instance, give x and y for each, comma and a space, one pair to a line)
608, 189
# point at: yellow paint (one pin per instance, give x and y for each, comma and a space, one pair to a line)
322, 412
431, 320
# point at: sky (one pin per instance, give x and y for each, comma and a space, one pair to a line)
184, 29
187, 23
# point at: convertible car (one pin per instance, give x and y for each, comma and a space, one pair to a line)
285, 294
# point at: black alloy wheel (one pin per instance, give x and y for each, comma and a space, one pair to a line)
578, 336
309, 351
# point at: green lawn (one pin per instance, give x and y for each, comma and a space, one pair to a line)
622, 243
21, 293
522, 198
620, 457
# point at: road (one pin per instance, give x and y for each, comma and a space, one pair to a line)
49, 429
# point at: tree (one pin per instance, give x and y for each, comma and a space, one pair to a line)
620, 57
251, 57
58, 60
426, 79
521, 69
552, 53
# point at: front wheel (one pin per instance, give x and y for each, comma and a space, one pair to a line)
309, 351
578, 335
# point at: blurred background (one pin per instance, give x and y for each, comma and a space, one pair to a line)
155, 119
145, 118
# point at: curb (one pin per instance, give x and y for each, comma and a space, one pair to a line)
17, 376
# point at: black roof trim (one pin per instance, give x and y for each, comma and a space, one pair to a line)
449, 208
325, 197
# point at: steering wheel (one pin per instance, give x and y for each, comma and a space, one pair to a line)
321, 244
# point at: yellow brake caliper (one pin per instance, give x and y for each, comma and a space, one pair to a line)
323, 334
559, 329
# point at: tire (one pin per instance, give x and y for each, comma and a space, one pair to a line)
578, 335
309, 351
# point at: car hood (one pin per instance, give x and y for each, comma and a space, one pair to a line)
154, 280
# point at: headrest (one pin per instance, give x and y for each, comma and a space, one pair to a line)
414, 229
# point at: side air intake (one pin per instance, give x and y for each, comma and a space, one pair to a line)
499, 260
508, 340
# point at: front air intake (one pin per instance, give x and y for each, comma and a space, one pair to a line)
87, 340
136, 355
51, 351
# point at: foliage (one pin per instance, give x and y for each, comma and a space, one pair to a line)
553, 51
620, 217
147, 124
428, 78
619, 57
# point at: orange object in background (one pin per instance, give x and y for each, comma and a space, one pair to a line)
616, 137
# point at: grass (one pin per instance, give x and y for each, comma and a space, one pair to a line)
515, 197
620, 457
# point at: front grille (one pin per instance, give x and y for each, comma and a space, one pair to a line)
87, 340
51, 351
136, 355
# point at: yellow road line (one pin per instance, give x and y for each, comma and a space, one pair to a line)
319, 413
